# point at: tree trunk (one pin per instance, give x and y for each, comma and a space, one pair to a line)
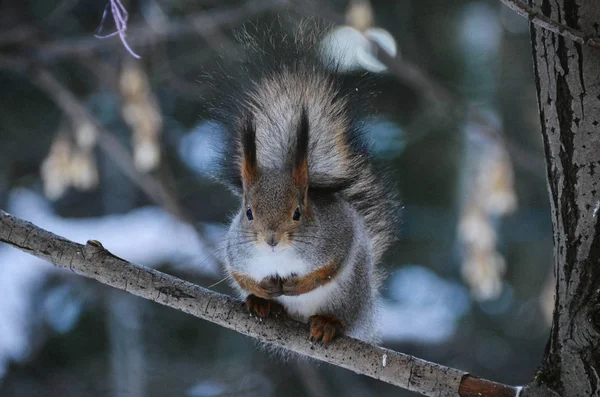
567, 77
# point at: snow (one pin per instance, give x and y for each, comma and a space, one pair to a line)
147, 236
423, 307
199, 148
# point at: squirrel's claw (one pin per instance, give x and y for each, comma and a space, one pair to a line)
263, 308
324, 328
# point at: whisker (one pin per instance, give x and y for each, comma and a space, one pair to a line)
218, 282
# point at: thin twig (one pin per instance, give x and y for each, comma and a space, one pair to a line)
153, 188
71, 106
93, 261
416, 78
204, 24
16, 35
539, 19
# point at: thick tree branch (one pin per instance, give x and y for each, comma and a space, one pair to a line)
543, 21
93, 261
567, 77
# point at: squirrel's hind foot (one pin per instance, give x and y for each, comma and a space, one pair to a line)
324, 328
263, 308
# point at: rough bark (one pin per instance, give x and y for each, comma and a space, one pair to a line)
567, 77
93, 261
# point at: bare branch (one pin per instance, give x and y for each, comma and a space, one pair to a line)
413, 76
71, 106
205, 24
535, 17
153, 188
16, 35
93, 261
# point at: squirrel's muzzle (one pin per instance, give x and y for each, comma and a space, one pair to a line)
272, 239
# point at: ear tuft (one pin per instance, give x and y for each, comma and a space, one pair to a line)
300, 168
249, 166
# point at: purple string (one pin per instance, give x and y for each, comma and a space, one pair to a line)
120, 16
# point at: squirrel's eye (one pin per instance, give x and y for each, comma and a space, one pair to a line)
249, 214
296, 216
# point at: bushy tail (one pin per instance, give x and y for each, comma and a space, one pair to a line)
378, 204
285, 73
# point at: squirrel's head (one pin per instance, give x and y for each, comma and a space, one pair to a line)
275, 202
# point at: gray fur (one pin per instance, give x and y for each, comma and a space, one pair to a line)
339, 234
276, 103
350, 215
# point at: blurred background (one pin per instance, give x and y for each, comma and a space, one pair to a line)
98, 144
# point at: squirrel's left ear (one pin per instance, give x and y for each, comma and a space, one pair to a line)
300, 167
249, 168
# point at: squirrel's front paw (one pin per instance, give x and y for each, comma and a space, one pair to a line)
291, 286
271, 287
324, 327
263, 308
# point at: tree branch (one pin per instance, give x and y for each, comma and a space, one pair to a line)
152, 187
413, 76
566, 77
75, 110
535, 17
93, 261
205, 24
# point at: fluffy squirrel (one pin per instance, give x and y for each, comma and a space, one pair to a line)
315, 217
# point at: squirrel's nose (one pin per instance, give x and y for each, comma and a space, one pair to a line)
271, 239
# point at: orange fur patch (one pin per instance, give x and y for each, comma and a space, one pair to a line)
298, 285
267, 288
249, 172
272, 287
250, 285
300, 174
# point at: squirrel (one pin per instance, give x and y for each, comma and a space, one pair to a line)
315, 216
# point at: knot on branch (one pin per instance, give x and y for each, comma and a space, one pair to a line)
94, 248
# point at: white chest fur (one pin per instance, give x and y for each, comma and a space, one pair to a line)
283, 262
303, 306
280, 261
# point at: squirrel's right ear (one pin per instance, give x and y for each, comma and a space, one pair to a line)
300, 167
249, 169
